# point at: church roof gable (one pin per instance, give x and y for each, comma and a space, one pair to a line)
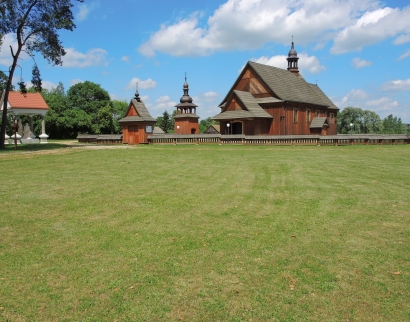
252, 108
142, 111
286, 85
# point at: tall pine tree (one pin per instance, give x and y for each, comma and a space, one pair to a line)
36, 79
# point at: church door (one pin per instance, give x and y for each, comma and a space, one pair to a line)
133, 137
237, 128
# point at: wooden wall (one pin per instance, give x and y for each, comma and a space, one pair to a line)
186, 125
283, 122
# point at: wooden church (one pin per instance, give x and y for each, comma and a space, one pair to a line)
267, 100
186, 119
137, 124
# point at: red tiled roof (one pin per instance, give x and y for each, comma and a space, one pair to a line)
29, 100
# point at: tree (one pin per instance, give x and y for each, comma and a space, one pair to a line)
3, 82
36, 79
35, 24
119, 110
349, 115
165, 122
393, 125
88, 96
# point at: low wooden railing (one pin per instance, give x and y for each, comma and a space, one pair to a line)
341, 139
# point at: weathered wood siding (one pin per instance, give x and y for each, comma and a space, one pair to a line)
186, 126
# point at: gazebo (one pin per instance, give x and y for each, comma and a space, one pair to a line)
29, 104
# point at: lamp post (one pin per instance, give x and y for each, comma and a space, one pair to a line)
228, 125
351, 128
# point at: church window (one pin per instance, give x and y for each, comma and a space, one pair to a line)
308, 116
317, 113
331, 118
295, 115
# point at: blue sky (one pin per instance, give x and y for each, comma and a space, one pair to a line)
357, 51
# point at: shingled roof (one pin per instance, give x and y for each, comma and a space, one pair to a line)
142, 111
289, 87
286, 86
253, 109
318, 122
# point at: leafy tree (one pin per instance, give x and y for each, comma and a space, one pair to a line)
3, 82
393, 125
205, 123
349, 115
371, 122
36, 79
35, 24
119, 110
88, 96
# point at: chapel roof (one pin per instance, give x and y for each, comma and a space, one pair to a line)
18, 100
142, 111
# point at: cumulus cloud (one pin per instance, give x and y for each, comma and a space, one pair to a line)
93, 57
405, 55
85, 9
210, 96
397, 85
355, 97
144, 84
76, 81
5, 54
249, 24
306, 63
164, 103
402, 39
372, 27
382, 104
360, 63
125, 58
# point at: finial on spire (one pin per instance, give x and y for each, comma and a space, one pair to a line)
137, 95
292, 38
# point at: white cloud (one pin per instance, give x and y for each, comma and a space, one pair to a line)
405, 55
249, 24
85, 9
402, 39
360, 63
164, 103
144, 84
5, 54
356, 97
372, 27
125, 58
93, 57
397, 85
306, 63
382, 104
210, 96
76, 81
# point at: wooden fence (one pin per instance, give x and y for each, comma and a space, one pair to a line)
341, 139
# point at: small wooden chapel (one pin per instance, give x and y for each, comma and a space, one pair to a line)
266, 100
138, 123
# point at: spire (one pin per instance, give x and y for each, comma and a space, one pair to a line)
293, 60
186, 98
137, 95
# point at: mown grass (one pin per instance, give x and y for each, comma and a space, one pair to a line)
206, 233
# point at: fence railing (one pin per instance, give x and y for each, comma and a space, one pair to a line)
341, 139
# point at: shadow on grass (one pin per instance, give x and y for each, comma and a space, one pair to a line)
33, 147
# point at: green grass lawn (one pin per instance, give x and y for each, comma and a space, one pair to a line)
205, 233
